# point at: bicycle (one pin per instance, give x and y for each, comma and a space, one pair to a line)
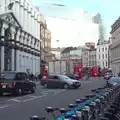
84, 108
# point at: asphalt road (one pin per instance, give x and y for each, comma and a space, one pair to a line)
21, 108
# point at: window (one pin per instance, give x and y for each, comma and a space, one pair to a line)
103, 49
106, 56
21, 76
106, 64
53, 77
99, 56
64, 77
8, 76
99, 49
103, 56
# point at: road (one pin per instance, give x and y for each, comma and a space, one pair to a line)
21, 108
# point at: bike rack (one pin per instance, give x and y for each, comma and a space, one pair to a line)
103, 104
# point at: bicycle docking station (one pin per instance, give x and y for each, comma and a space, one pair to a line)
103, 104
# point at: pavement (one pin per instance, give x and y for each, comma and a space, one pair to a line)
21, 108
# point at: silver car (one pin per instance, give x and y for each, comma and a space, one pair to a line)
60, 81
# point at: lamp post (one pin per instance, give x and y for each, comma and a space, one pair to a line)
57, 41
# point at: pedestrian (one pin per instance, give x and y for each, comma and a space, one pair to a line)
32, 76
40, 77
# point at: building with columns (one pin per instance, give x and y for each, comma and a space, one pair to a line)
89, 54
45, 36
115, 47
102, 54
47, 46
89, 57
19, 36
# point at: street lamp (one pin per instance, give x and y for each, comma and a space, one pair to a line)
57, 41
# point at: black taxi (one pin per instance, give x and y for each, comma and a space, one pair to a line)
16, 83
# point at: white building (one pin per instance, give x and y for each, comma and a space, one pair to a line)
57, 52
89, 57
70, 25
115, 47
20, 36
102, 55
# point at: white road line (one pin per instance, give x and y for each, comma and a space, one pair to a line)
55, 92
16, 100
44, 93
5, 106
21, 97
13, 99
47, 91
33, 98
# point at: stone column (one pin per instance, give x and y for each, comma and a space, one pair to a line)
17, 52
12, 55
2, 50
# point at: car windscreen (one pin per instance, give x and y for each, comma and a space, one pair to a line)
114, 80
7, 76
63, 77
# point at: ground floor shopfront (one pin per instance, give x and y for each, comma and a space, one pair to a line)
19, 50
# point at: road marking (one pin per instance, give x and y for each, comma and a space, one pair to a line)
16, 100
13, 99
47, 91
33, 98
55, 92
5, 106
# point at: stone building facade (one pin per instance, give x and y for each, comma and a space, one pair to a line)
115, 46
19, 36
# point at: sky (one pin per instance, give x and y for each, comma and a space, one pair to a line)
109, 9
69, 34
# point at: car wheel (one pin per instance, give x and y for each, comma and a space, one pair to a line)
33, 89
45, 85
66, 86
19, 92
1, 93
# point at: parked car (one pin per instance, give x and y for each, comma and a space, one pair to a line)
60, 81
113, 81
16, 83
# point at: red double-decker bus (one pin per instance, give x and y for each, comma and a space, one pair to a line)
94, 71
81, 71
